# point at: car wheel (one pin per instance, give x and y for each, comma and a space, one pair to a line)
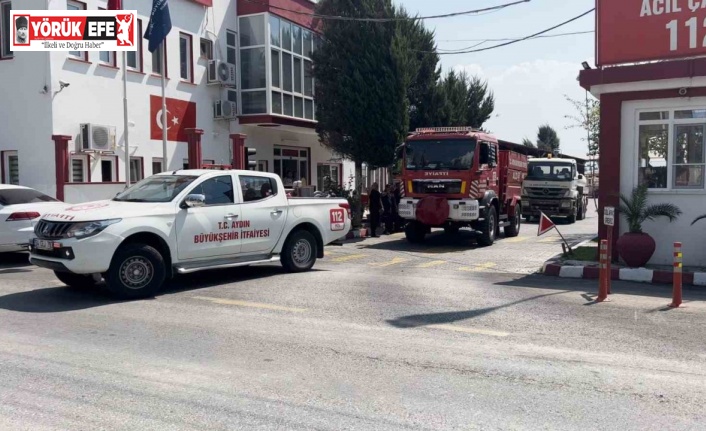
299, 252
76, 281
490, 226
137, 271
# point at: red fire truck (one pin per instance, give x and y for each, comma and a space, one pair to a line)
458, 177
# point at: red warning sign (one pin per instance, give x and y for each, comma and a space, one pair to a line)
545, 225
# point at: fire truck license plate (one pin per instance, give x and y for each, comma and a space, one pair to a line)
338, 219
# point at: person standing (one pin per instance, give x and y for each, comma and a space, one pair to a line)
388, 202
398, 197
375, 205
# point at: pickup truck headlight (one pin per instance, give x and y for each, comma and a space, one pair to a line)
84, 230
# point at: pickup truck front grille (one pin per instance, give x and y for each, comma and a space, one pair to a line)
51, 229
545, 192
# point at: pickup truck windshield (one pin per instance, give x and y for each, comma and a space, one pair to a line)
550, 171
158, 188
441, 155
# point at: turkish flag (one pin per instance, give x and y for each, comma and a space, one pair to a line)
181, 115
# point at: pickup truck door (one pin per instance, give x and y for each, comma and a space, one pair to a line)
264, 213
211, 230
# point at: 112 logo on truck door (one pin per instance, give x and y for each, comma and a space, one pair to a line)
338, 220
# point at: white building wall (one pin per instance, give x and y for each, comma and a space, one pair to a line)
26, 112
691, 202
95, 95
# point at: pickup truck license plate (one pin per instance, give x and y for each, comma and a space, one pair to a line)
43, 244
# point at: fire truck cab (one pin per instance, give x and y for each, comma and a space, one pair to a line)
458, 177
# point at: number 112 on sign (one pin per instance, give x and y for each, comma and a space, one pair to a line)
692, 24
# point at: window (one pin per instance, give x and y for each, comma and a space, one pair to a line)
23, 196
206, 49
5, 29
326, 173
253, 64
75, 5
134, 58
291, 164
291, 70
11, 167
185, 164
257, 188
231, 47
109, 171
218, 190
78, 169
136, 173
262, 166
106, 58
163, 188
157, 63
157, 164
671, 149
185, 57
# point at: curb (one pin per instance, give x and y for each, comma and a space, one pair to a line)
640, 275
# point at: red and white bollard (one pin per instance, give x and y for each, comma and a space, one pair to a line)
604, 276
677, 276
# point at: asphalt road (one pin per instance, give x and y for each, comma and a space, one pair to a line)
350, 345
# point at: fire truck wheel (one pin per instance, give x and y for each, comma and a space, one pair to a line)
514, 228
489, 230
415, 232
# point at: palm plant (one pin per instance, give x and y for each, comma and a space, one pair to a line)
637, 211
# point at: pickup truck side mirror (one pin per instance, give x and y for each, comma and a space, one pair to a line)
194, 200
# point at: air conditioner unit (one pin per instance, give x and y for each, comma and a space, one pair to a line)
224, 109
220, 72
95, 137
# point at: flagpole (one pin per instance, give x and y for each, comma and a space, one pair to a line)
125, 124
165, 163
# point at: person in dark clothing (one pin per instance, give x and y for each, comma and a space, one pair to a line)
388, 206
397, 193
374, 205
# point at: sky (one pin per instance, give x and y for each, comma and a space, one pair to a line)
529, 79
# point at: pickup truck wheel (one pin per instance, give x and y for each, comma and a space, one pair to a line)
299, 252
490, 226
76, 281
514, 229
415, 232
137, 271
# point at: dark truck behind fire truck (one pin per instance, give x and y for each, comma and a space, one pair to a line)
457, 177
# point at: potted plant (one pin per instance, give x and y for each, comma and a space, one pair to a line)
636, 247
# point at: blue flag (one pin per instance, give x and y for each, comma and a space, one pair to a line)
160, 24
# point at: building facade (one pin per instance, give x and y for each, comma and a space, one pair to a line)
230, 67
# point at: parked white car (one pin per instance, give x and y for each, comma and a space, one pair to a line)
185, 221
20, 209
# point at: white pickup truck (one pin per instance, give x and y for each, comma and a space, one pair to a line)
185, 221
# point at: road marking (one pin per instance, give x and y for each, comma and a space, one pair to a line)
249, 304
470, 330
432, 263
516, 239
477, 268
549, 240
347, 258
394, 261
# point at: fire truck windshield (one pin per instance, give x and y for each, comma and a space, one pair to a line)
440, 154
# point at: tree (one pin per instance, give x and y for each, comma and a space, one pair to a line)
362, 74
547, 138
467, 101
588, 117
527, 143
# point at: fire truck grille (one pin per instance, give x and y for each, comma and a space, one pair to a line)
437, 186
51, 230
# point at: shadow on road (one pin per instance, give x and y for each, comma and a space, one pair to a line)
436, 242
418, 320
14, 260
55, 300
